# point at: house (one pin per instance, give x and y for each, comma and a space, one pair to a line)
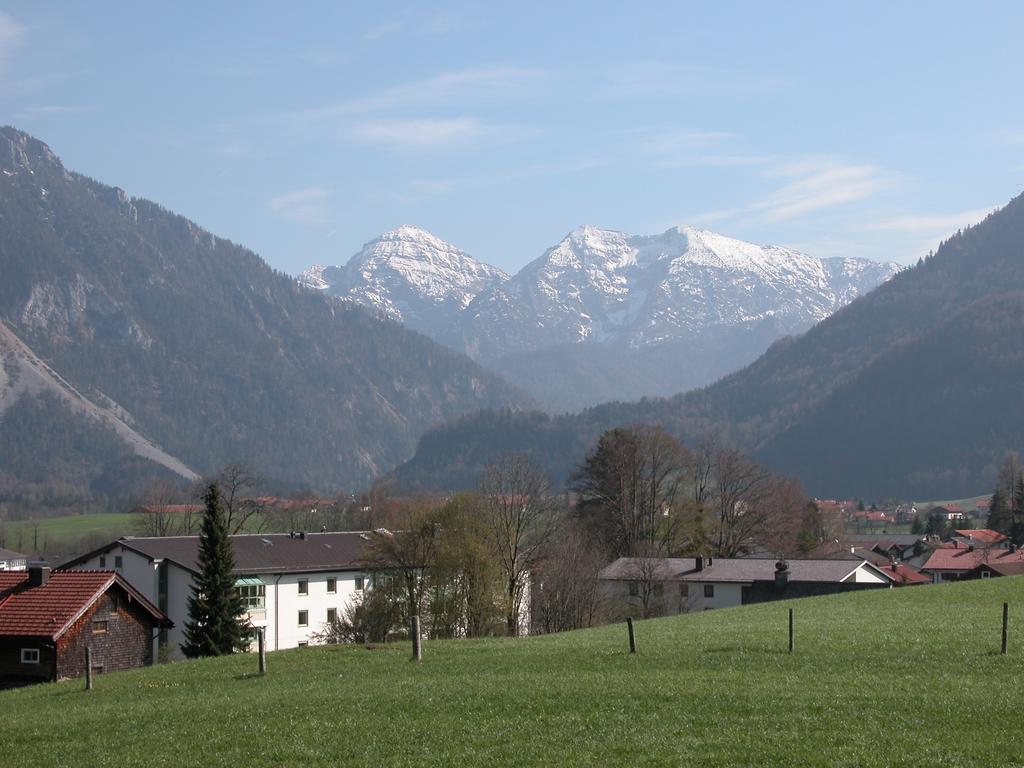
12, 561
48, 620
901, 546
981, 537
956, 562
948, 512
655, 586
991, 569
645, 586
292, 584
727, 582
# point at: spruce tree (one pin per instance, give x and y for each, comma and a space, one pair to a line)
215, 610
999, 516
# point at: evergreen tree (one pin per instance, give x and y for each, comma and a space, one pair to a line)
1017, 513
215, 626
917, 526
1000, 518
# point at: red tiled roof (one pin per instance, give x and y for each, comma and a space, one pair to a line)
964, 559
49, 610
902, 573
983, 535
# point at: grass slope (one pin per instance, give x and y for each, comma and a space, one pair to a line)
55, 534
894, 677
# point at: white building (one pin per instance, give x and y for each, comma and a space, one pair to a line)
293, 585
12, 561
666, 586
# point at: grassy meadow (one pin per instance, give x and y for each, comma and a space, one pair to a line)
69, 532
891, 677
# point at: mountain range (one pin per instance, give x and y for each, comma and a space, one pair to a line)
915, 389
134, 343
602, 315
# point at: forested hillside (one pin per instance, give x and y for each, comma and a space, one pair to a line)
198, 345
913, 390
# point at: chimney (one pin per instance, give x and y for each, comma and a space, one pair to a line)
853, 549
709, 561
38, 574
699, 563
781, 573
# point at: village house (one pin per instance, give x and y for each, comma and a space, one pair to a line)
12, 561
665, 586
48, 620
293, 584
980, 537
955, 562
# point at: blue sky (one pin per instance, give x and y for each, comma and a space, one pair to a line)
870, 130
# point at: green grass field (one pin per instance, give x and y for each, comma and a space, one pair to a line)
57, 534
893, 677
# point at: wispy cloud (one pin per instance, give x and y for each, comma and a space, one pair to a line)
496, 83
305, 206
652, 78
941, 223
11, 36
429, 133
810, 185
50, 110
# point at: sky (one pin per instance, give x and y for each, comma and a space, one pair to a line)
872, 129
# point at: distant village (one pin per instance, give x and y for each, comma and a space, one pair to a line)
128, 599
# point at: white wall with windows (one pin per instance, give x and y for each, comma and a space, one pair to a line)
291, 608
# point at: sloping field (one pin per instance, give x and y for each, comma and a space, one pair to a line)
891, 677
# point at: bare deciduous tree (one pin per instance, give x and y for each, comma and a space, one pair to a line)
158, 519
520, 515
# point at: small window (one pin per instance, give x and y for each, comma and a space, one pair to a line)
709, 590
118, 562
29, 655
359, 583
332, 615
303, 618
100, 627
103, 562
634, 589
303, 587
332, 586
985, 574
303, 643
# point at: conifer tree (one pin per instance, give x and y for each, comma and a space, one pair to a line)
215, 626
1000, 517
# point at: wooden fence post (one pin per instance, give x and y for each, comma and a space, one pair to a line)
88, 668
790, 630
1006, 627
632, 634
262, 636
417, 652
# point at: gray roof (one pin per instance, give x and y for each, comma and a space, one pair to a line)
754, 569
633, 568
256, 553
886, 540
10, 554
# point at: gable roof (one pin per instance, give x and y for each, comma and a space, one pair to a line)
966, 559
657, 568
10, 554
51, 609
1004, 569
763, 569
902, 573
254, 553
983, 535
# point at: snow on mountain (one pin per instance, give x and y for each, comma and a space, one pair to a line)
642, 290
685, 307
411, 276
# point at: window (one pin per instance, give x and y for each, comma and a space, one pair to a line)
684, 590
29, 655
254, 596
103, 562
383, 581
634, 589
332, 615
709, 590
659, 590
985, 574
332, 586
100, 627
303, 587
303, 643
303, 618
118, 562
359, 583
